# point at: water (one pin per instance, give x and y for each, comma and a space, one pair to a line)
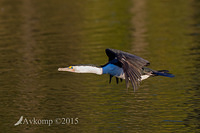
38, 37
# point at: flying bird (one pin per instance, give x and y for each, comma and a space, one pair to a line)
121, 65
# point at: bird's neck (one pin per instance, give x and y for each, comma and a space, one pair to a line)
89, 69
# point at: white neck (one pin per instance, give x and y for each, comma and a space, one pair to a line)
88, 69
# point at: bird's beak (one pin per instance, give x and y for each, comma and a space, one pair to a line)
66, 69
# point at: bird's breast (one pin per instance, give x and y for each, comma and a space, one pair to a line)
114, 71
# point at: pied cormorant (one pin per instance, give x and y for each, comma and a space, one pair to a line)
122, 65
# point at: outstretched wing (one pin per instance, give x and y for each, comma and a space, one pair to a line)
131, 64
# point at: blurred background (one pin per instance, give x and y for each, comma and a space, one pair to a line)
37, 37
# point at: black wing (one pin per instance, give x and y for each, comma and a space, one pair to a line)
131, 64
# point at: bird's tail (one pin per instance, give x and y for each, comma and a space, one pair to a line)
163, 73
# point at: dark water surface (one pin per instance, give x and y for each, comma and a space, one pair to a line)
38, 37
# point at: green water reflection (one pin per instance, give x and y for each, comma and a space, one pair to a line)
37, 37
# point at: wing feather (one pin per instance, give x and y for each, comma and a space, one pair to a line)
131, 64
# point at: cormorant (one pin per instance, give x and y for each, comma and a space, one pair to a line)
122, 65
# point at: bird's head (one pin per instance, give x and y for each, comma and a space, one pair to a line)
68, 69
82, 69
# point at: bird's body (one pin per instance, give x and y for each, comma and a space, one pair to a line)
122, 65
118, 71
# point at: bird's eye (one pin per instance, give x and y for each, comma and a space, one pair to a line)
71, 67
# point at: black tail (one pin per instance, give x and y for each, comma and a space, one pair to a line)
163, 73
